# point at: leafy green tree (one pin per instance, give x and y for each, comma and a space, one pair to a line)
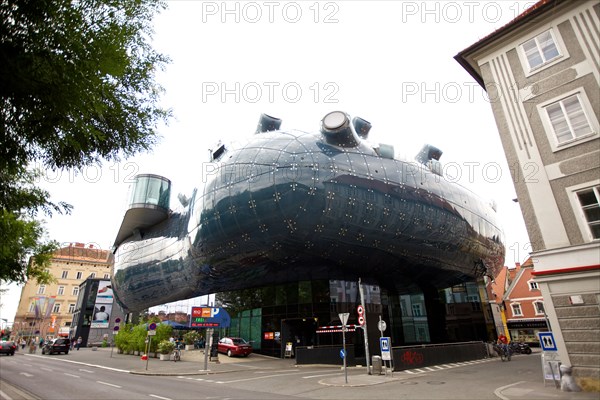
76, 87
239, 300
20, 233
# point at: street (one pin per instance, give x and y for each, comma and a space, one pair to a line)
100, 375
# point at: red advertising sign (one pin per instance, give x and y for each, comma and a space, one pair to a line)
209, 317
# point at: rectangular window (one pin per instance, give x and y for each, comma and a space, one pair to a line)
65, 274
75, 290
71, 308
61, 291
589, 199
106, 276
93, 275
56, 308
568, 119
32, 307
539, 308
533, 285
540, 50
416, 309
79, 274
41, 289
516, 308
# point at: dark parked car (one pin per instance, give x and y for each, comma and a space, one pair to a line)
7, 347
233, 346
59, 345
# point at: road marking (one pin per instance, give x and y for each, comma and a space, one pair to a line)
47, 369
318, 376
86, 370
159, 397
27, 365
74, 376
498, 392
81, 363
5, 396
26, 374
109, 384
261, 377
435, 368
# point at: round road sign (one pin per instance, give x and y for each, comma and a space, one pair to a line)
152, 326
382, 325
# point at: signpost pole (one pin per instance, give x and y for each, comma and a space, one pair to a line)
115, 331
362, 301
207, 346
151, 332
344, 320
147, 350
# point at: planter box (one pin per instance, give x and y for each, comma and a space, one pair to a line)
189, 347
165, 357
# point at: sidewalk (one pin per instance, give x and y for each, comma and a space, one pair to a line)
193, 363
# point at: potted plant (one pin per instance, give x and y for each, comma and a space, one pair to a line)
165, 348
190, 338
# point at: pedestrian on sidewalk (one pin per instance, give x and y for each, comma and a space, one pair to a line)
79, 341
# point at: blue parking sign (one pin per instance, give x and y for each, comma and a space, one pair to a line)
547, 341
384, 344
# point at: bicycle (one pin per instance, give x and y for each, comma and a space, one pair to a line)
504, 351
176, 355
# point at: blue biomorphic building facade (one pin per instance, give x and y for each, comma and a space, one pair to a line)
291, 220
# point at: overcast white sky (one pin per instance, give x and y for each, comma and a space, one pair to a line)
389, 62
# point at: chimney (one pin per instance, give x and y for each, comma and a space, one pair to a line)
517, 265
79, 245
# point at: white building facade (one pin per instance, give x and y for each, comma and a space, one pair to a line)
542, 75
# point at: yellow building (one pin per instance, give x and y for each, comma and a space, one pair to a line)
47, 310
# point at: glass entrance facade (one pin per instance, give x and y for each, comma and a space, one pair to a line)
306, 313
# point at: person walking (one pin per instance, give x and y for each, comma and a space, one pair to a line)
79, 341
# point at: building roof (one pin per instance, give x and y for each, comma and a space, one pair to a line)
81, 252
533, 12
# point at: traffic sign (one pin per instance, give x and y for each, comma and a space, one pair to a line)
152, 326
547, 341
117, 320
344, 317
384, 344
152, 333
360, 309
116, 328
382, 325
361, 320
342, 353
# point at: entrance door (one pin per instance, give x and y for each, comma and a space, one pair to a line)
299, 332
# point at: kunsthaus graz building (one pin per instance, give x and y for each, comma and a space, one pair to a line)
290, 221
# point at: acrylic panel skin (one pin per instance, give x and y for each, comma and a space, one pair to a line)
290, 206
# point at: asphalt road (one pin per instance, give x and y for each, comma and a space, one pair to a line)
99, 375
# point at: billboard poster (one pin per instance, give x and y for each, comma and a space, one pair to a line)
103, 305
105, 293
101, 316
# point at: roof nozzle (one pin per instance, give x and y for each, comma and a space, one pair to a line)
267, 123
